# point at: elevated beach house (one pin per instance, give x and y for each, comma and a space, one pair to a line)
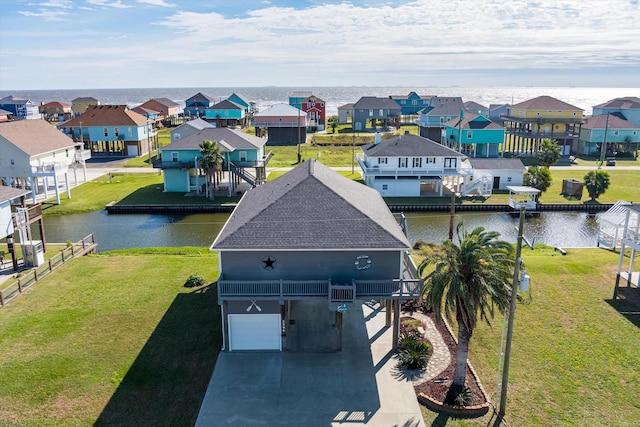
244, 160
196, 105
36, 156
226, 113
375, 112
308, 244
412, 103
55, 111
80, 104
627, 107
474, 135
166, 108
412, 166
112, 131
20, 108
432, 119
612, 131
529, 122
283, 125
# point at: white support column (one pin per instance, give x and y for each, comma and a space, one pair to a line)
66, 183
75, 174
84, 170
45, 186
56, 189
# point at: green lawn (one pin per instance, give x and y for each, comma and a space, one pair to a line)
575, 354
111, 340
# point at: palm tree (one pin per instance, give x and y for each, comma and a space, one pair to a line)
210, 161
548, 152
538, 177
470, 280
597, 183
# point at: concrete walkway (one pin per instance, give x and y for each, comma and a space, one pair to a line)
358, 386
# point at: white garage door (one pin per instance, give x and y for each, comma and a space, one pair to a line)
254, 332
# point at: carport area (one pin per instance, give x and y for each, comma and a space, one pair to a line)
358, 386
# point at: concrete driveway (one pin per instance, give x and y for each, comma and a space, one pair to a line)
358, 386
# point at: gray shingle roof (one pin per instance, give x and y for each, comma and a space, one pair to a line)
226, 105
446, 106
375, 103
311, 207
496, 163
10, 193
232, 138
544, 103
166, 102
409, 146
627, 102
35, 137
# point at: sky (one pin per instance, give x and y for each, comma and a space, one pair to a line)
76, 44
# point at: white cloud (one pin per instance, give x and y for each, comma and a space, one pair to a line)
62, 4
161, 3
47, 15
117, 4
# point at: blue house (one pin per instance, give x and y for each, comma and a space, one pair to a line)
244, 161
474, 135
432, 119
226, 113
412, 103
238, 98
21, 109
112, 130
196, 105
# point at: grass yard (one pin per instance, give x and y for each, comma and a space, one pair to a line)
111, 339
575, 354
353, 176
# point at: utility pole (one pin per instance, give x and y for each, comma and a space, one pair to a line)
299, 156
512, 313
603, 147
353, 153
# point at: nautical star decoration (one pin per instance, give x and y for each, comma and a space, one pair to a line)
268, 262
363, 262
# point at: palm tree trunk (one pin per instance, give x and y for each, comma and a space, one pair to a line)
462, 354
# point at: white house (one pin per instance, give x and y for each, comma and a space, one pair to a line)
502, 171
35, 155
412, 166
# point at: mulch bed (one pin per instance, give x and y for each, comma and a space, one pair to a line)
437, 388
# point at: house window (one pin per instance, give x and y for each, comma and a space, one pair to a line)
176, 136
370, 113
431, 160
414, 102
129, 131
174, 156
441, 119
116, 131
66, 152
450, 163
538, 113
243, 156
385, 186
615, 132
380, 113
382, 160
469, 135
417, 162
106, 132
402, 162
508, 179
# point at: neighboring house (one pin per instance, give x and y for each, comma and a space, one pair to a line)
432, 119
146, 112
296, 98
345, 113
474, 135
628, 280
626, 107
240, 99
226, 114
284, 125
498, 172
189, 128
112, 130
316, 112
412, 103
622, 136
56, 111
383, 112
412, 166
35, 155
21, 109
497, 111
80, 104
529, 122
307, 245
166, 108
5, 115
196, 105
475, 108
180, 159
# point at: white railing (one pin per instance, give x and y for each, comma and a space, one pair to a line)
50, 168
82, 155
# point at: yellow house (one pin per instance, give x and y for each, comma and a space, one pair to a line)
529, 122
80, 105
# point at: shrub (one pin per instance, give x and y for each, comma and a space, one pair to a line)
412, 327
464, 397
413, 353
194, 281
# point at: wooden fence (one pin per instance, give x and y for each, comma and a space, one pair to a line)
31, 277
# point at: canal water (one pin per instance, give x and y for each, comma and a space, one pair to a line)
118, 231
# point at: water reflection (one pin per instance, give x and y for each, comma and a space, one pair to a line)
565, 229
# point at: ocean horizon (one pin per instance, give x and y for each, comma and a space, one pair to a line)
334, 96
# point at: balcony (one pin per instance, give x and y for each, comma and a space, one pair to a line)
553, 120
417, 172
401, 289
82, 155
166, 164
49, 169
